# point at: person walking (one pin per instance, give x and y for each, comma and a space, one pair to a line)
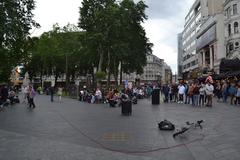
209, 93
32, 94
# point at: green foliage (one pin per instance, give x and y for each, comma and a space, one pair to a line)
100, 75
59, 52
16, 20
114, 34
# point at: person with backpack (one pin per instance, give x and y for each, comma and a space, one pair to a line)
32, 94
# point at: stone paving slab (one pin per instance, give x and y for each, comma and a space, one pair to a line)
70, 130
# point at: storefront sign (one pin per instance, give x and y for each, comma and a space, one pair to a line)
206, 38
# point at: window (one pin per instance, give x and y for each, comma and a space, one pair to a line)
236, 45
229, 30
230, 47
228, 12
235, 27
234, 9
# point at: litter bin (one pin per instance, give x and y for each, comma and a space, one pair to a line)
126, 107
156, 96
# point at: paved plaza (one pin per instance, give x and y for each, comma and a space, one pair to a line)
73, 130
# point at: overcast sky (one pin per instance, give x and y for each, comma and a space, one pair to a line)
165, 21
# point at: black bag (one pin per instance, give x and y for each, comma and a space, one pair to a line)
166, 125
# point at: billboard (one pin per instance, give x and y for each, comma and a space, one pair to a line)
206, 38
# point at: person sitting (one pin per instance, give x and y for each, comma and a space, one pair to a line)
113, 100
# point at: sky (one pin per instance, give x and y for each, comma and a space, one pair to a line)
165, 21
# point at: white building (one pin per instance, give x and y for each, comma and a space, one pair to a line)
199, 24
210, 42
232, 28
180, 56
154, 71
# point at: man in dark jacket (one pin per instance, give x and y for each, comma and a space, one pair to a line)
51, 90
165, 90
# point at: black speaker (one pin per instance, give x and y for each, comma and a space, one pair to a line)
155, 96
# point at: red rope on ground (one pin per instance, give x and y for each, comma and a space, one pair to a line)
129, 151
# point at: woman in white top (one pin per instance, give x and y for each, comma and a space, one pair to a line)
59, 93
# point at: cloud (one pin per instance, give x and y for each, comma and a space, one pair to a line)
165, 21
164, 8
49, 12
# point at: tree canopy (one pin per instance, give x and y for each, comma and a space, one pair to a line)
115, 35
16, 19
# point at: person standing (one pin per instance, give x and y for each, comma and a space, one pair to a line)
232, 92
209, 93
51, 90
237, 101
26, 94
181, 91
225, 91
32, 94
201, 93
59, 93
195, 94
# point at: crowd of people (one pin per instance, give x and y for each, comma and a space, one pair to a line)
195, 92
8, 95
201, 93
114, 96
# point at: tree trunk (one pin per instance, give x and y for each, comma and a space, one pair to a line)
41, 77
66, 71
120, 72
115, 73
100, 59
109, 71
56, 78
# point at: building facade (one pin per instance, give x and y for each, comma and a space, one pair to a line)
154, 71
210, 43
232, 28
180, 58
195, 31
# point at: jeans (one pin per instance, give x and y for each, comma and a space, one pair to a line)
195, 99
31, 103
225, 96
51, 97
201, 100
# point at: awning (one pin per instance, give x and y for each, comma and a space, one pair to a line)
228, 66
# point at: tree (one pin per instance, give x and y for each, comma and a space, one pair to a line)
16, 21
59, 52
115, 35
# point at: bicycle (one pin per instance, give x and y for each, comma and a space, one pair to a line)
189, 126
